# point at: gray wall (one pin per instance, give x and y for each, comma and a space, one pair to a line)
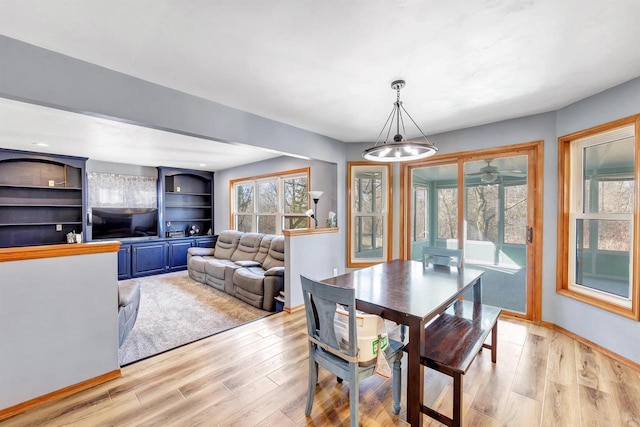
619, 334
323, 177
57, 327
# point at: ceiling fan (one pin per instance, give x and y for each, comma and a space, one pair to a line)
490, 173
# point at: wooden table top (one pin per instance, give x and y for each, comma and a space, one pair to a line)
403, 288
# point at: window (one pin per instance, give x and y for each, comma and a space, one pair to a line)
447, 213
271, 203
369, 227
597, 257
420, 212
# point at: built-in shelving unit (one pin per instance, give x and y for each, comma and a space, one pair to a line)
41, 198
186, 200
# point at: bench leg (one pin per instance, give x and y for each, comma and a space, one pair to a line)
457, 400
494, 342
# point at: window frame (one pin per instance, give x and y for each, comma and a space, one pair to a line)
387, 214
568, 177
280, 214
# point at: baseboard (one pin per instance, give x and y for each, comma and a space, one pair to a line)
294, 309
58, 394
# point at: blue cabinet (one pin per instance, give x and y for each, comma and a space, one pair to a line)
206, 242
137, 259
178, 254
124, 262
148, 258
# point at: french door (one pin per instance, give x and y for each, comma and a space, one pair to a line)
489, 204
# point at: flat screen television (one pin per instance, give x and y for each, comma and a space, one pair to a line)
114, 223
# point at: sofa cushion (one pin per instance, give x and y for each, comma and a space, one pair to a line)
250, 279
216, 267
275, 257
197, 263
247, 247
227, 243
263, 251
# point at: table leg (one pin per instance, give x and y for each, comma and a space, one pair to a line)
477, 291
415, 374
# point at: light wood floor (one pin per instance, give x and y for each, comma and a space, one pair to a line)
256, 375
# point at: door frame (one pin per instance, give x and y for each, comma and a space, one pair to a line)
534, 151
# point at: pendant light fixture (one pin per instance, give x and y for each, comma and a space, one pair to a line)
399, 150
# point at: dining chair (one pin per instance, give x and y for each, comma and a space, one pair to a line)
321, 301
441, 258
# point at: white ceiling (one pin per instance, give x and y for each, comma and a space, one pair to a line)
62, 132
326, 66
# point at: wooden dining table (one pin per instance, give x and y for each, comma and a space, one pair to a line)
406, 292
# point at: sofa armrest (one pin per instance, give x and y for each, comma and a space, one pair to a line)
275, 271
247, 263
200, 251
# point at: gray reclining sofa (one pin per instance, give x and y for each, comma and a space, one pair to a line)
249, 266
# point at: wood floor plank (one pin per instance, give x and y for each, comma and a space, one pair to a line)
521, 411
278, 419
256, 375
597, 408
559, 408
561, 368
272, 365
530, 376
590, 368
628, 402
493, 394
266, 403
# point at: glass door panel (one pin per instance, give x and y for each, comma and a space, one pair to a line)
434, 208
495, 224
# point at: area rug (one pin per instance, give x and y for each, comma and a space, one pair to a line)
176, 310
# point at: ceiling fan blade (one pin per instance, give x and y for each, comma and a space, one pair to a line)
515, 174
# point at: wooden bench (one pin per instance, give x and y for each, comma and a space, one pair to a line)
451, 343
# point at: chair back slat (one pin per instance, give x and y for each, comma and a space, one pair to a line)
320, 302
441, 256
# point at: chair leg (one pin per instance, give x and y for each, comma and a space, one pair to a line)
397, 386
354, 394
313, 381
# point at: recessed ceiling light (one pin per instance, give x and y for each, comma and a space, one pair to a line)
202, 165
40, 144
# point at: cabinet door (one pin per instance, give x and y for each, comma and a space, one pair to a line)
178, 254
149, 258
124, 262
207, 242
